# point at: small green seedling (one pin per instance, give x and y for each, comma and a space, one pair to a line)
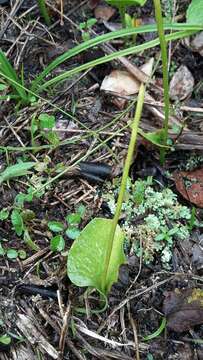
85, 26
44, 124
71, 229
122, 5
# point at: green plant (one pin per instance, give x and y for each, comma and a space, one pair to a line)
5, 339
20, 169
44, 124
44, 12
164, 219
8, 72
96, 255
71, 228
85, 26
122, 4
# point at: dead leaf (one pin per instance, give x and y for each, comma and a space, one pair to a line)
104, 12
93, 3
122, 82
197, 43
182, 84
190, 185
183, 309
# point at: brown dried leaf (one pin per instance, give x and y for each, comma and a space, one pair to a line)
104, 12
122, 82
190, 185
183, 309
93, 3
182, 84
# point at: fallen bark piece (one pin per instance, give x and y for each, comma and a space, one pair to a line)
34, 336
182, 84
190, 185
183, 309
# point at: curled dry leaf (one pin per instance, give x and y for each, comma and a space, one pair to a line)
183, 309
104, 12
190, 185
182, 84
197, 43
120, 82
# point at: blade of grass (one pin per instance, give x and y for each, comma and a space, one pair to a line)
8, 70
104, 38
113, 56
44, 12
159, 21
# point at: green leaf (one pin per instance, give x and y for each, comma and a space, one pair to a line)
17, 222
155, 137
29, 242
126, 2
2, 251
57, 243
5, 339
4, 213
52, 137
55, 226
16, 170
73, 219
3, 87
87, 257
46, 121
12, 254
81, 210
73, 232
194, 13
22, 254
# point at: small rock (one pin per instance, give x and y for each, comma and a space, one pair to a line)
104, 12
197, 256
197, 43
182, 84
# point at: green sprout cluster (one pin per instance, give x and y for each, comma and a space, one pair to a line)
152, 219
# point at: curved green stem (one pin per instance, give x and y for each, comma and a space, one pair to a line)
160, 27
128, 162
122, 15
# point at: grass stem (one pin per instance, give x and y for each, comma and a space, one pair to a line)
160, 28
43, 11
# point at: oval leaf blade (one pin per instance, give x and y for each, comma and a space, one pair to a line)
86, 259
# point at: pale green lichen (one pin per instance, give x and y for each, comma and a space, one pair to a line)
152, 219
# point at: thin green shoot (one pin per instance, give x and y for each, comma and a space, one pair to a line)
128, 161
43, 11
160, 27
157, 332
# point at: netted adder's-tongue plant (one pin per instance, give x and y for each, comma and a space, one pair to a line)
96, 255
